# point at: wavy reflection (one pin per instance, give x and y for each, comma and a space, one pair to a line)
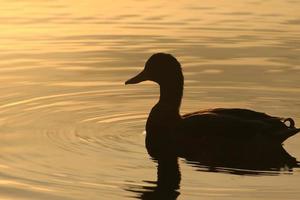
167, 184
273, 160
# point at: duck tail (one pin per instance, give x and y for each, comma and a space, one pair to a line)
291, 122
289, 131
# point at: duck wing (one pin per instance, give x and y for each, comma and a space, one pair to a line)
238, 124
236, 112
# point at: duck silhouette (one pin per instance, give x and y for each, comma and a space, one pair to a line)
208, 135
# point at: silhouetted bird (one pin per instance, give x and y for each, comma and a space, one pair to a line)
218, 134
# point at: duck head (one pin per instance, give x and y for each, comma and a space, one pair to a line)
161, 68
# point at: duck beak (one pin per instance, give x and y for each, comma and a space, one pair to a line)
137, 79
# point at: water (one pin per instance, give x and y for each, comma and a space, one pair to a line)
69, 127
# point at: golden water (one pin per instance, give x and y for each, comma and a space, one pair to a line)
70, 129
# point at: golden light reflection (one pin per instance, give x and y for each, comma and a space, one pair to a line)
69, 127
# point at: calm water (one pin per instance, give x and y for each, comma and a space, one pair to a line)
70, 129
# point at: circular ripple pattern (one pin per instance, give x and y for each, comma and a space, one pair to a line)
61, 135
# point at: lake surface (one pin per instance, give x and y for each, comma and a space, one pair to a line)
70, 129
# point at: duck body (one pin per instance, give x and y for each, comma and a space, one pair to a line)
220, 133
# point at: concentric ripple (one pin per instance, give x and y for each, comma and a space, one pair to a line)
53, 142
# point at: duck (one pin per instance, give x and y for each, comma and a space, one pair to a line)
222, 133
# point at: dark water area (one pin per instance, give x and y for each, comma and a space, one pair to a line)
70, 129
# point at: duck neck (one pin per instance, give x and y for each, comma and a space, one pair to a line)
171, 95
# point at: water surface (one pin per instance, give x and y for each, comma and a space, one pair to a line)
70, 129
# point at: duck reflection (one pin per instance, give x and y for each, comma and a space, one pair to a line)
267, 163
167, 184
272, 161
